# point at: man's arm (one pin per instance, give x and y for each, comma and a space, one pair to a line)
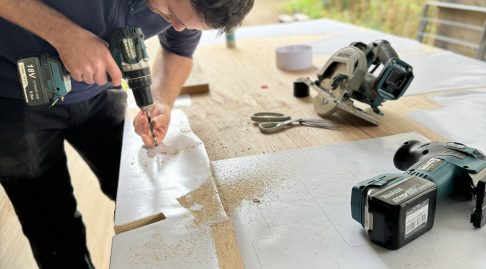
84, 55
173, 63
169, 73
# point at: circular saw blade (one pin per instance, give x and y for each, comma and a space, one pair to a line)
325, 102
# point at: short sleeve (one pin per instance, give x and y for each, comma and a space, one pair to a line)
182, 43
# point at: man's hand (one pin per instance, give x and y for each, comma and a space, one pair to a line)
84, 55
160, 119
87, 58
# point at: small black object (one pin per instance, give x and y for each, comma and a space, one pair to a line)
477, 217
407, 155
300, 88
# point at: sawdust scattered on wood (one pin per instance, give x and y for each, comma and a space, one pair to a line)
203, 203
250, 187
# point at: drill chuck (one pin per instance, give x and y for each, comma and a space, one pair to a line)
139, 81
143, 97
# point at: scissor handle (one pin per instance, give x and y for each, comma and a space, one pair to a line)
272, 127
269, 117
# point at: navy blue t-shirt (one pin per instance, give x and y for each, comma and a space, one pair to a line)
100, 17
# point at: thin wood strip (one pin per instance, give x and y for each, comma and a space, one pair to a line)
139, 223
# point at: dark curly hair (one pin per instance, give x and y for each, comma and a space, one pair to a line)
222, 14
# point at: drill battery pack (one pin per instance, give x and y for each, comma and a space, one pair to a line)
401, 212
395, 208
44, 80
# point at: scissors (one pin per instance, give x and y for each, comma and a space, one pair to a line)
271, 122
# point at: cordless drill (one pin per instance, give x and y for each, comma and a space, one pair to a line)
45, 81
128, 49
395, 209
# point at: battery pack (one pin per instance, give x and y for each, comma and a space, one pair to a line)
33, 81
401, 212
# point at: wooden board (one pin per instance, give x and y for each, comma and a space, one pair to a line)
222, 118
197, 81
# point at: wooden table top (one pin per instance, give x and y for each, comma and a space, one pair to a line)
245, 80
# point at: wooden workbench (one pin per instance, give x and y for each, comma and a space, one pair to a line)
245, 80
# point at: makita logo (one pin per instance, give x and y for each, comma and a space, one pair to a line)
391, 193
129, 48
344, 54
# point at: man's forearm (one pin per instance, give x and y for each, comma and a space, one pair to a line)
40, 19
170, 71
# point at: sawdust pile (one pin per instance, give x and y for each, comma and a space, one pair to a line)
251, 189
204, 204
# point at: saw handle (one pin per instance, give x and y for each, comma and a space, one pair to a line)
385, 51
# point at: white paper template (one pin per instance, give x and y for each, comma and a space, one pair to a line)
462, 117
302, 219
153, 181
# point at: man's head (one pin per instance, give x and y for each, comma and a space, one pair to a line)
222, 14
200, 14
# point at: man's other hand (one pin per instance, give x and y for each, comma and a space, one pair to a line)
160, 119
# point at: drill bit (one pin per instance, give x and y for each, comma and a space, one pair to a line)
151, 125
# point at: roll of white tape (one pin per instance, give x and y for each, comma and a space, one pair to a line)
294, 58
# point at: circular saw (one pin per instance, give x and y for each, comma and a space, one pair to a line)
348, 76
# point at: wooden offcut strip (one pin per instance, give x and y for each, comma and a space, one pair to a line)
139, 223
197, 81
226, 245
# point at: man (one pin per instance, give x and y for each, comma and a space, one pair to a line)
33, 168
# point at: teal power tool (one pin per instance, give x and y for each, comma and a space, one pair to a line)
128, 49
349, 76
45, 81
395, 209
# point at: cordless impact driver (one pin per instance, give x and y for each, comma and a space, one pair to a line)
395, 208
45, 81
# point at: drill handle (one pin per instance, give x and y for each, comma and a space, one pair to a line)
477, 216
408, 154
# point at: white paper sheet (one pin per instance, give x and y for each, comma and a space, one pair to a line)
165, 244
462, 119
173, 179
300, 217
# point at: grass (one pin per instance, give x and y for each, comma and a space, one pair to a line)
392, 16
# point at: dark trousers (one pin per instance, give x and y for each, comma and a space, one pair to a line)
34, 174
